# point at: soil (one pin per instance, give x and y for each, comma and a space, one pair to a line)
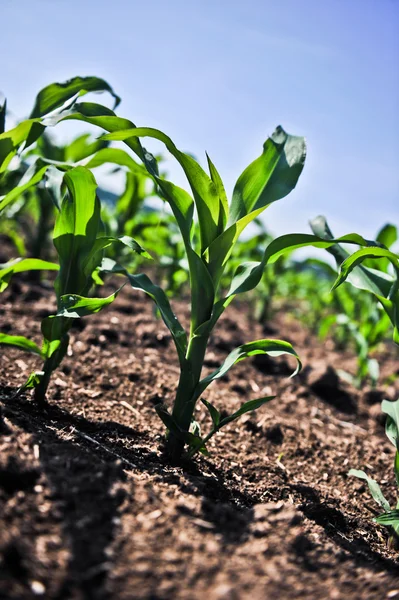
91, 508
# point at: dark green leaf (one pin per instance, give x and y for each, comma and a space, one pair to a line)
271, 176
209, 205
56, 94
75, 232
388, 235
389, 518
213, 411
269, 347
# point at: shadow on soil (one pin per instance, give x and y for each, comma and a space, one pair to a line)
85, 463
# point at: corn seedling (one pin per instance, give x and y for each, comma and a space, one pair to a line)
270, 177
389, 518
78, 235
374, 269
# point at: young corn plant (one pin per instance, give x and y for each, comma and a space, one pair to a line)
390, 517
79, 242
270, 177
374, 269
78, 235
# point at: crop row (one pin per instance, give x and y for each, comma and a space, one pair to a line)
58, 219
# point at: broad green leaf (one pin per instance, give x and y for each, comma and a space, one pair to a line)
388, 235
75, 307
271, 176
55, 339
115, 156
202, 291
269, 347
246, 407
221, 248
376, 282
93, 259
20, 265
391, 409
100, 116
76, 230
182, 206
26, 132
180, 201
144, 283
358, 257
213, 411
56, 94
36, 176
20, 342
209, 205
373, 487
82, 147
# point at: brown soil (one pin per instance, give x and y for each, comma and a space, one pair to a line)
90, 508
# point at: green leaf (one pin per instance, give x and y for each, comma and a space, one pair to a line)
224, 204
210, 208
115, 156
21, 265
213, 411
202, 291
391, 409
271, 176
33, 381
55, 338
82, 147
75, 307
101, 116
26, 132
389, 518
20, 342
169, 422
358, 257
388, 235
35, 176
269, 347
246, 407
75, 232
56, 94
144, 283
363, 278
373, 487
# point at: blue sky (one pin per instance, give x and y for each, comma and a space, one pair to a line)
219, 75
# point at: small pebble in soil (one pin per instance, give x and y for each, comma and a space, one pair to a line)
37, 588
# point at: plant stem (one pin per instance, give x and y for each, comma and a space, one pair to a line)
50, 364
41, 389
184, 404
